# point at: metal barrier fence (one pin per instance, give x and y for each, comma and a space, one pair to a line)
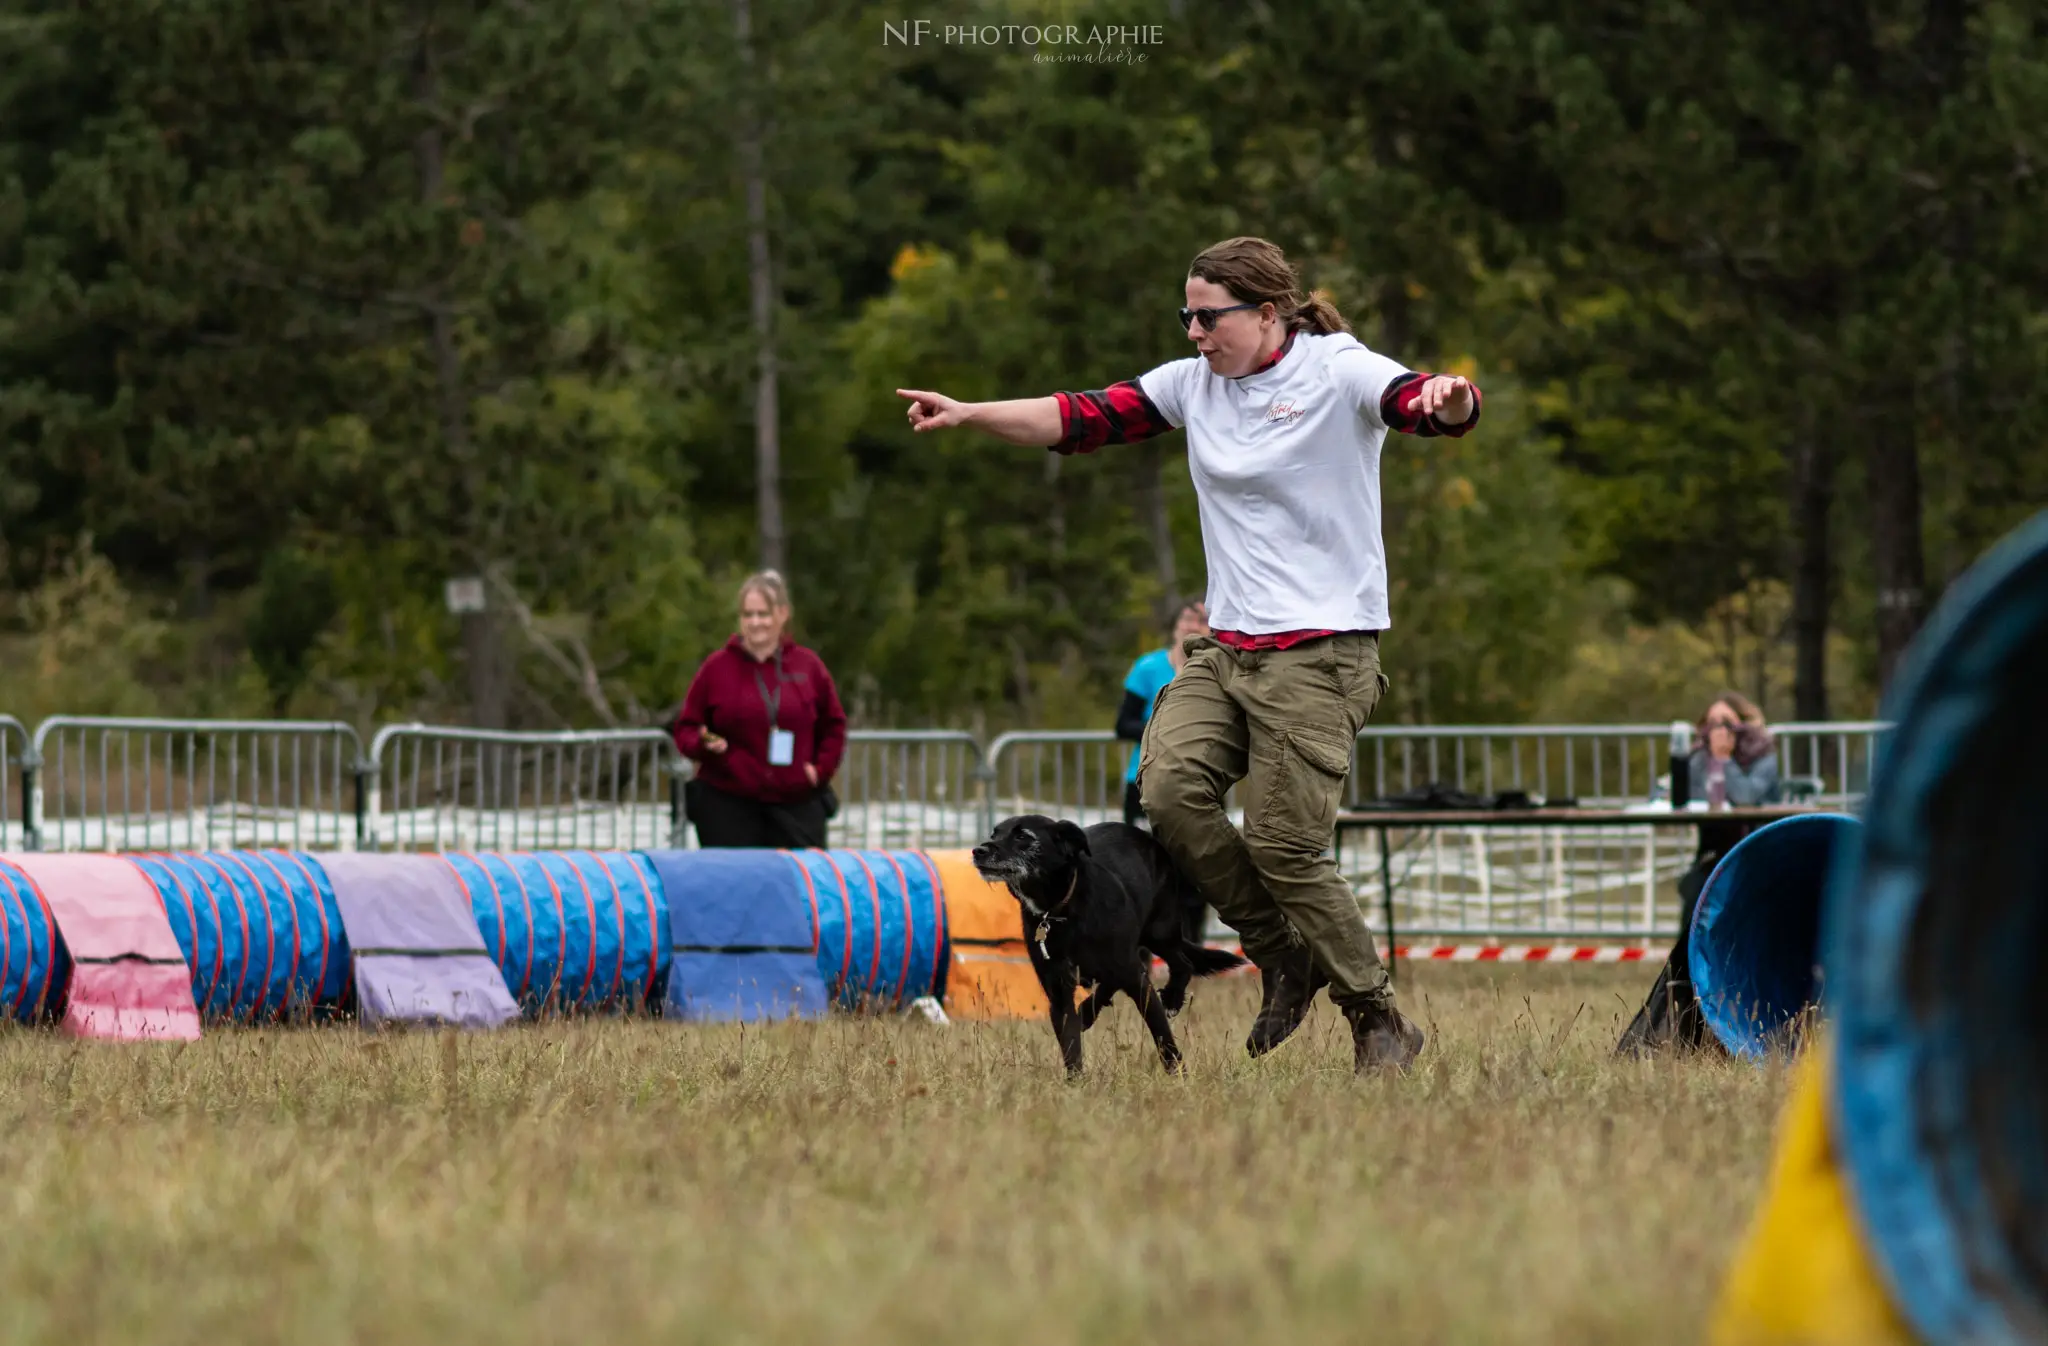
431, 787
1079, 773
910, 789
1535, 882
14, 820
1067, 773
94, 783
1607, 765
97, 783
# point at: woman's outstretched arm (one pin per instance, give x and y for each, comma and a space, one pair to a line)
1030, 420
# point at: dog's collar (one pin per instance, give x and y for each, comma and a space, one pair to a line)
1052, 914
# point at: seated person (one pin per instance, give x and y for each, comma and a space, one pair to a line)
1734, 764
1734, 761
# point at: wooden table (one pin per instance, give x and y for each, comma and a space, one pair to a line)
1387, 820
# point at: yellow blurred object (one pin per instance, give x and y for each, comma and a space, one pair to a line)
1803, 1276
911, 259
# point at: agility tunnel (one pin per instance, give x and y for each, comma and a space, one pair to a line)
1754, 947
989, 973
253, 936
1925, 1118
1743, 972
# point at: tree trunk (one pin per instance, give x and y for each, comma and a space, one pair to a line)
761, 283
483, 651
1893, 477
1813, 498
1152, 505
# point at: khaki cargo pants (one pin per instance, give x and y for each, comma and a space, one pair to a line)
1283, 722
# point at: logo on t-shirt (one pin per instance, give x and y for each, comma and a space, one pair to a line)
1285, 413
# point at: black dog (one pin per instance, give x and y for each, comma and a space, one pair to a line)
1098, 906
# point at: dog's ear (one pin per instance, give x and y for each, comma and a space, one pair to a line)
1076, 839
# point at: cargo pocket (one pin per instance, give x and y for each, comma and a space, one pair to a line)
1304, 787
1370, 691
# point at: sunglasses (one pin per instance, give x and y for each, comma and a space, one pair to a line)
1208, 316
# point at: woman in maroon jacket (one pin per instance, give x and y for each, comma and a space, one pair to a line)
763, 723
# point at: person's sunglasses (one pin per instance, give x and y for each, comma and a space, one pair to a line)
1208, 316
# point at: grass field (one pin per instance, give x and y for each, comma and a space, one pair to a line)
884, 1181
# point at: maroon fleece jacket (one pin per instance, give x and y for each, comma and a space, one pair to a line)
725, 699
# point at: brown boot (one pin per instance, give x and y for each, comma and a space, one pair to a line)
1289, 987
1382, 1038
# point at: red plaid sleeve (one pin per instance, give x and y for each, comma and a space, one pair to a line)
1397, 409
1118, 414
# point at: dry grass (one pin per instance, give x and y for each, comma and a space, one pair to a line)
882, 1181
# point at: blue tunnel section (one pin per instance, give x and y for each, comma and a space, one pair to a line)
849, 954
745, 925
259, 929
571, 930
1754, 950
34, 969
1935, 941
881, 925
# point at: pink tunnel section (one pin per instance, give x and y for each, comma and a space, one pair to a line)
129, 979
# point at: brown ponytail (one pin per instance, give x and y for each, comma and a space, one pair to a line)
1256, 271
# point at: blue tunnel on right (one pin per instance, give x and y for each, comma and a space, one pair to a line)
1922, 934
1934, 938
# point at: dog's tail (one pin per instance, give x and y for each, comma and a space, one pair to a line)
1208, 962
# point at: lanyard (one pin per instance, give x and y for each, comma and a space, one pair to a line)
774, 703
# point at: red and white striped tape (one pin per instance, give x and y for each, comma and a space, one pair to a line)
1507, 953
1521, 953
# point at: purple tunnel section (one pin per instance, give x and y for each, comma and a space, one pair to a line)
417, 952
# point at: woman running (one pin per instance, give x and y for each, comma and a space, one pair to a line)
1285, 412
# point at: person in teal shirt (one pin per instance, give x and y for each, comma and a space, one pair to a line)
1142, 686
1141, 691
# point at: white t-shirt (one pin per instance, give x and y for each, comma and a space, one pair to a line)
1286, 464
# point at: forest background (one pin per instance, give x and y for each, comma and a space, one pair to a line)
307, 308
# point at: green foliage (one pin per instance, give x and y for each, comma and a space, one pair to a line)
304, 311
294, 605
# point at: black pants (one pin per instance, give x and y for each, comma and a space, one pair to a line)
1194, 918
724, 819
